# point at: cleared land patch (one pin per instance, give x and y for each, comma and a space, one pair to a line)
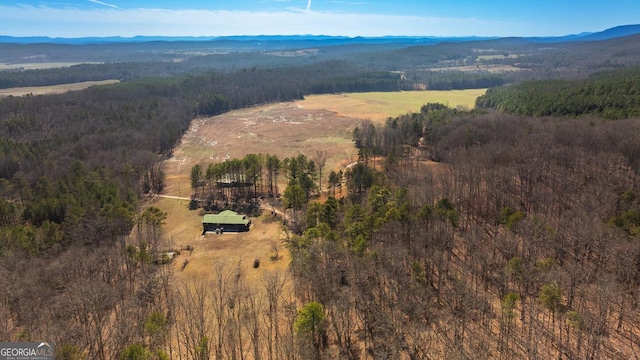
286, 129
184, 227
479, 68
322, 122
498, 57
295, 53
377, 107
53, 89
41, 66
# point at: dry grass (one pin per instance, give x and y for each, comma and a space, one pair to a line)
287, 129
184, 227
491, 68
284, 129
498, 57
379, 106
53, 89
42, 65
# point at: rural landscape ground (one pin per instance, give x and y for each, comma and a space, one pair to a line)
53, 89
318, 123
509, 231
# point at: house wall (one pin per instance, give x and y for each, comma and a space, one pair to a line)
209, 227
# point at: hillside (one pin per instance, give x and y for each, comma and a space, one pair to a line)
454, 232
519, 244
302, 41
431, 63
616, 32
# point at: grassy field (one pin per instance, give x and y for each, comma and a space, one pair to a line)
184, 227
491, 68
323, 122
379, 106
318, 123
53, 89
498, 57
40, 66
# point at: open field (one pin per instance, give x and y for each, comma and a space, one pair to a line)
323, 122
377, 107
489, 68
498, 57
320, 122
295, 53
284, 130
53, 89
184, 227
40, 66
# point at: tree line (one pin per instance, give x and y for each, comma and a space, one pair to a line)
611, 95
73, 168
520, 242
239, 183
401, 134
134, 61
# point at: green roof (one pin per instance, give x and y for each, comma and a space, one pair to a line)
226, 217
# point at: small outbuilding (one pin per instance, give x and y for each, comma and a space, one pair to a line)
226, 221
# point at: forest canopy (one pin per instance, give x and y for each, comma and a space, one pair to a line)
611, 95
461, 234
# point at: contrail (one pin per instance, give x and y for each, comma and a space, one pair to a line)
309, 5
111, 5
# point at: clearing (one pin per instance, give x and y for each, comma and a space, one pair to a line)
478, 68
377, 106
41, 65
318, 123
53, 89
184, 227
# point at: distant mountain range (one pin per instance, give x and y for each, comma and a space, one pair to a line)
619, 31
316, 40
612, 33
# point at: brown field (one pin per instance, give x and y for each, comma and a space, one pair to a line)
491, 68
296, 53
183, 227
498, 57
377, 107
322, 123
286, 129
53, 89
41, 65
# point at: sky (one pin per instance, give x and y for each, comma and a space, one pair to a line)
128, 18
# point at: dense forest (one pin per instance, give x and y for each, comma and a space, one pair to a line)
521, 243
433, 65
73, 168
479, 234
611, 95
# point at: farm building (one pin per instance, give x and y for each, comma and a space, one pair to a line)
227, 220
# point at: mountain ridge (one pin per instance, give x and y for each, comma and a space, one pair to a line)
614, 32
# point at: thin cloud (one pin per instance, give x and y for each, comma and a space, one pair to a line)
103, 3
